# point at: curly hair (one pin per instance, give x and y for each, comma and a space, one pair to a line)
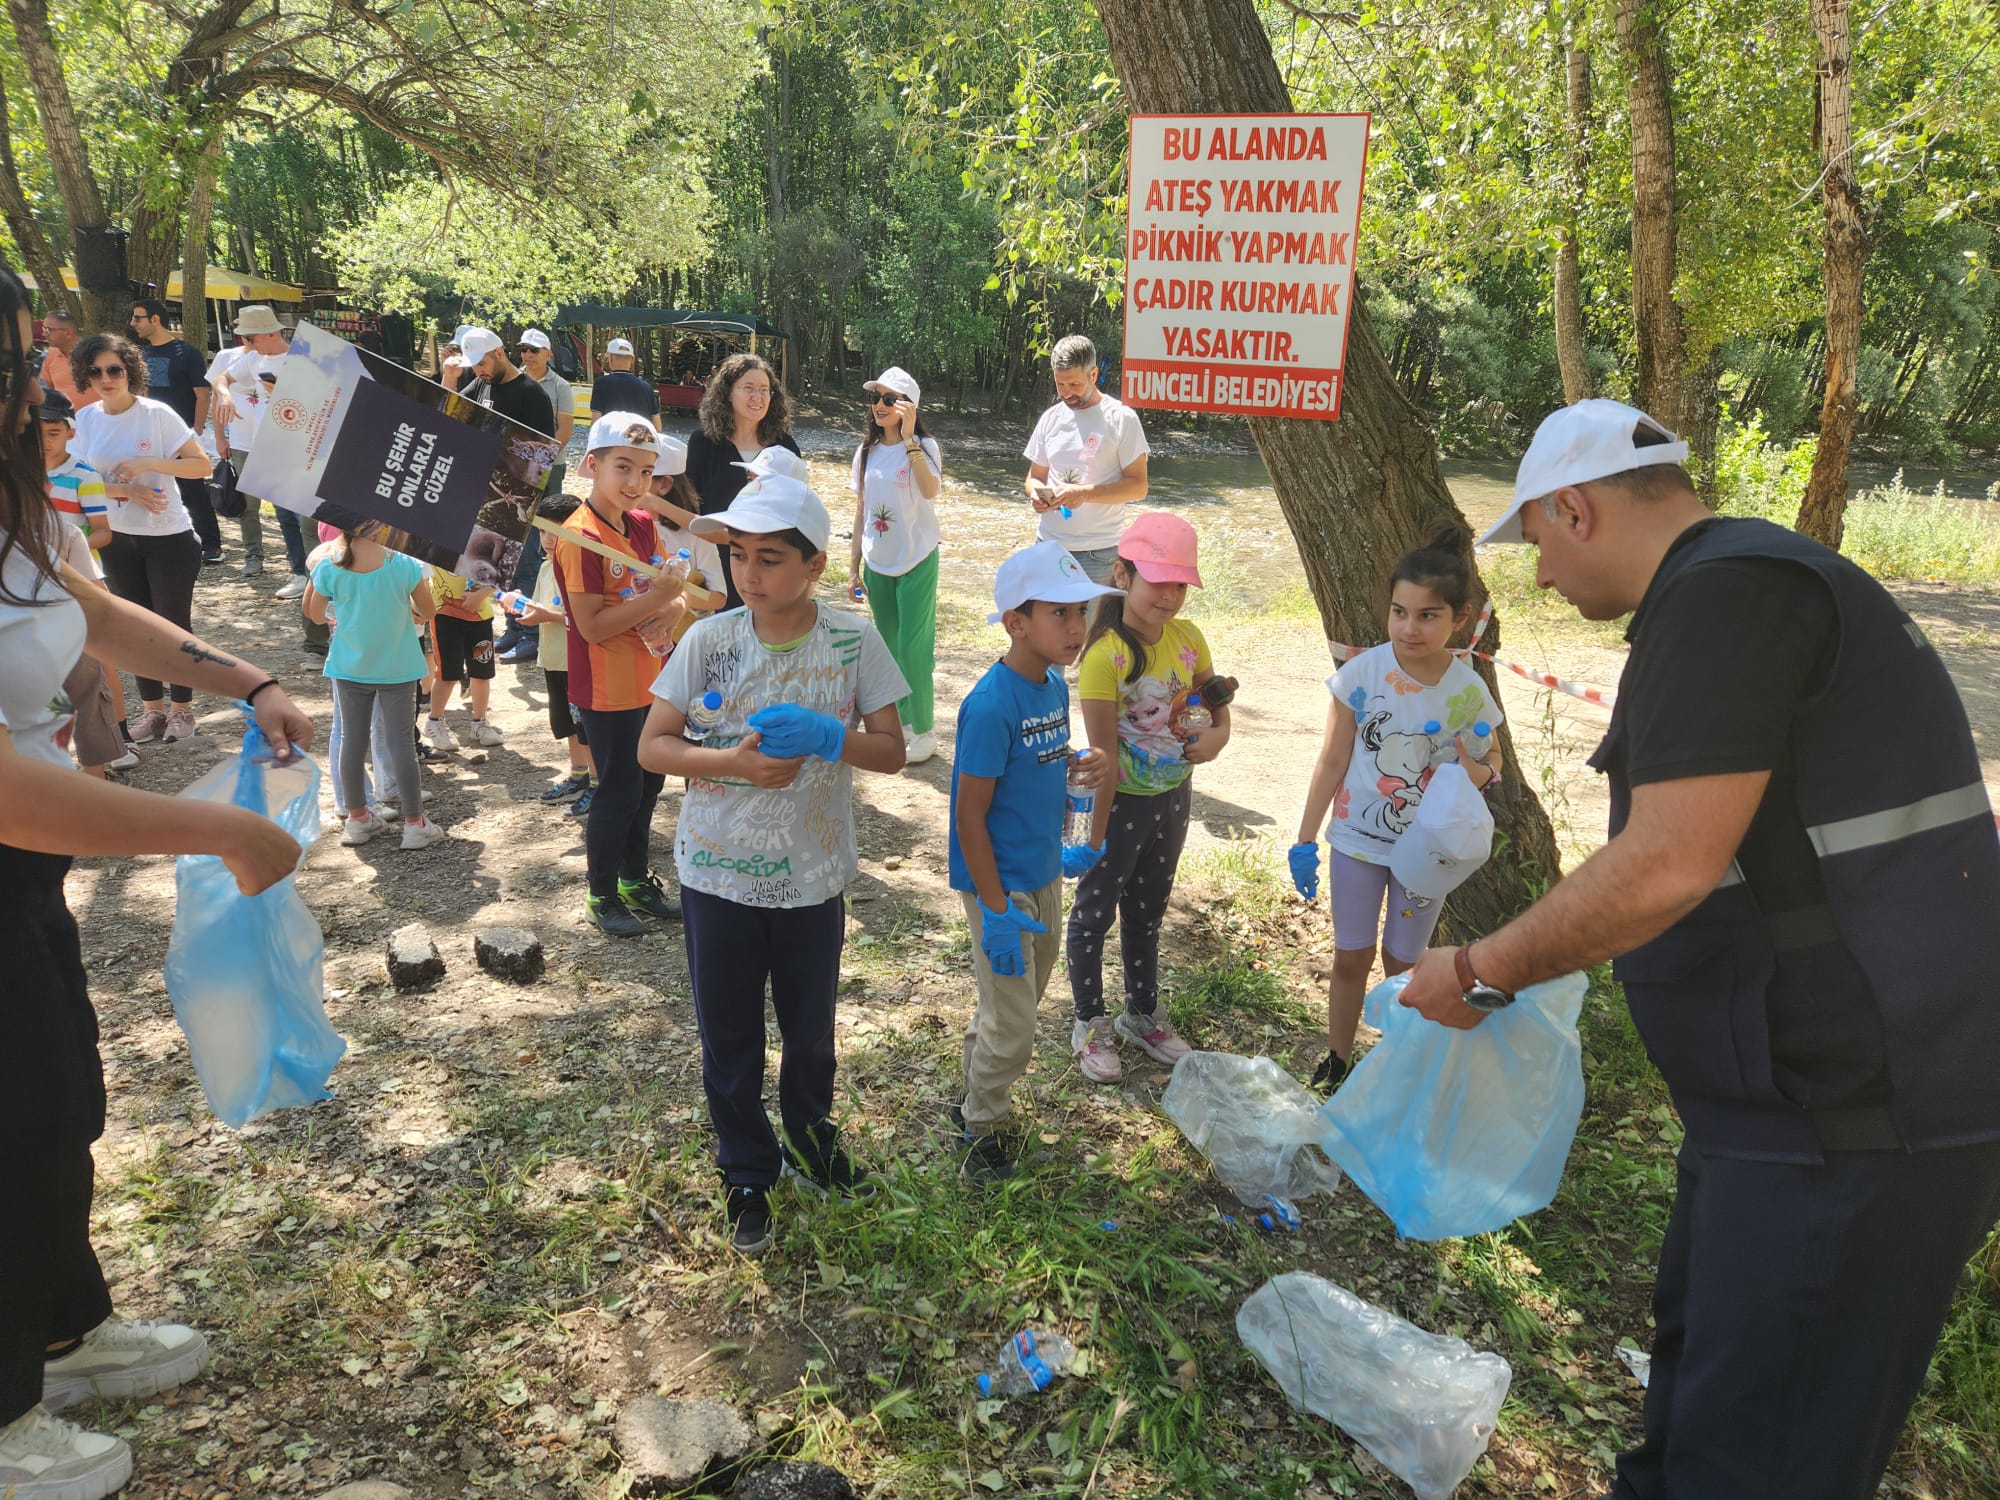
84, 355
718, 419
27, 521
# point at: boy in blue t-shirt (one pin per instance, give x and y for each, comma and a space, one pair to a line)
1007, 857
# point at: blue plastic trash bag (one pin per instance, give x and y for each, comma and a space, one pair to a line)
1461, 1132
245, 971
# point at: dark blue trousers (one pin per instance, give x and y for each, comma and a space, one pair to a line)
1795, 1315
734, 951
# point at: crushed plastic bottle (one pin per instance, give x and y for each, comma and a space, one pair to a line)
1079, 809
1029, 1362
702, 716
1424, 1404
655, 632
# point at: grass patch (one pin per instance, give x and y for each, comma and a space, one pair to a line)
1896, 532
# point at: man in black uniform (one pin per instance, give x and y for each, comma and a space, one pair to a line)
1802, 893
503, 385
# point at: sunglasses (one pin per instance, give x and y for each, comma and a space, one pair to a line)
108, 372
884, 398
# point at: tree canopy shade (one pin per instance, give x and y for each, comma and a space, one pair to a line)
597, 315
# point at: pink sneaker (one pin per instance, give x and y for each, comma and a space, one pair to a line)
180, 721
150, 725
1096, 1050
1155, 1034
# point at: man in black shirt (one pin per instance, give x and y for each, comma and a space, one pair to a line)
176, 375
618, 389
1800, 889
503, 385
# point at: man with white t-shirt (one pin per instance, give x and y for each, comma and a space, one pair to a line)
1086, 462
237, 379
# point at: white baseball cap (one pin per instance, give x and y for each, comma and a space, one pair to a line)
459, 333
776, 460
1591, 440
478, 343
618, 346
623, 429
899, 380
673, 456
1045, 571
773, 504
534, 338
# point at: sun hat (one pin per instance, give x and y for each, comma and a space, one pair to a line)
776, 460
772, 504
534, 338
257, 318
618, 346
1045, 571
1575, 444
478, 343
673, 456
1162, 548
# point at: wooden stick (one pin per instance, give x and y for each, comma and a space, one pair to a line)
696, 596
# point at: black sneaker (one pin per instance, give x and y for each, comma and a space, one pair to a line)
749, 1213
613, 917
650, 898
1328, 1075
986, 1163
835, 1175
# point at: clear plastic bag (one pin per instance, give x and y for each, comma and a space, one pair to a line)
1450, 837
1424, 1404
245, 972
1461, 1132
1254, 1122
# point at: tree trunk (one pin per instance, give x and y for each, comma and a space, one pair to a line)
1358, 492
41, 259
96, 249
1572, 352
156, 230
1701, 422
194, 244
1656, 316
1822, 512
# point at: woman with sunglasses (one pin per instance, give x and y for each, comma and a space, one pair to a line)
743, 412
893, 558
59, 1342
141, 446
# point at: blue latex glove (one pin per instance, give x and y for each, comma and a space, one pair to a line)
790, 731
1076, 858
1304, 859
1000, 938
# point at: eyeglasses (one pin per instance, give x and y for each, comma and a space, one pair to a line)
885, 398
108, 372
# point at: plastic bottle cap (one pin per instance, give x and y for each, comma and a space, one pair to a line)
711, 699
1482, 728
1431, 726
684, 555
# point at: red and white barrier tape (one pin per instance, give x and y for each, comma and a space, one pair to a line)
1603, 697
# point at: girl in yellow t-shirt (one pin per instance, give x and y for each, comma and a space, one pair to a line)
1141, 661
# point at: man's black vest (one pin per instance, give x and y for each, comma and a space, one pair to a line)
1889, 789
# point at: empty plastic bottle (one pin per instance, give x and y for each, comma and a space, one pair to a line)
1079, 809
1195, 709
655, 632
702, 716
1028, 1362
512, 601
1479, 743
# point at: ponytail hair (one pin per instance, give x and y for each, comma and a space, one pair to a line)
1443, 565
345, 557
1109, 616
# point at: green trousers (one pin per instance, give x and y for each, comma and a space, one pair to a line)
905, 611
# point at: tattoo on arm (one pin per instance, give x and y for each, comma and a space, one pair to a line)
201, 652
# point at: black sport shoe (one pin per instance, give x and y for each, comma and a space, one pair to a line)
1328, 1075
649, 897
986, 1163
834, 1175
613, 917
749, 1213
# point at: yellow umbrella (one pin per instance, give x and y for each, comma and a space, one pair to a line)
224, 285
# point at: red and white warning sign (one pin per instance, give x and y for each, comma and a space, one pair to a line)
1239, 261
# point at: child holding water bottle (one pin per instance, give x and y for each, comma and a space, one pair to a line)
1141, 661
1399, 711
1007, 856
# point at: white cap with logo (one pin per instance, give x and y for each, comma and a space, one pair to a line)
1045, 571
1576, 444
776, 460
534, 338
899, 380
477, 343
623, 429
772, 504
618, 346
673, 456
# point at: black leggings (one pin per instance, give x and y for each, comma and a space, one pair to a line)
156, 573
619, 830
1142, 850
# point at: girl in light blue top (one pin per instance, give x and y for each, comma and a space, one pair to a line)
375, 661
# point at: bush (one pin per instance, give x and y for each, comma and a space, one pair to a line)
1757, 477
1896, 532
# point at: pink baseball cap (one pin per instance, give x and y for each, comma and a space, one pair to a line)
1162, 547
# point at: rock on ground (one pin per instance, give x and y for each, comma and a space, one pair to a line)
674, 1443
414, 961
782, 1480
508, 953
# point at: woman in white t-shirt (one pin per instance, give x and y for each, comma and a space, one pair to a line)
59, 1342
894, 556
141, 446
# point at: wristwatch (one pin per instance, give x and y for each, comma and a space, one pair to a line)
1478, 996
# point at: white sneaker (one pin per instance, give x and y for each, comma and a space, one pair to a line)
1096, 1051
359, 829
124, 762
919, 749
480, 732
439, 734
121, 1359
45, 1458
1155, 1035
422, 835
292, 588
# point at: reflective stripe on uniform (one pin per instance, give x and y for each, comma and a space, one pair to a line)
1891, 824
